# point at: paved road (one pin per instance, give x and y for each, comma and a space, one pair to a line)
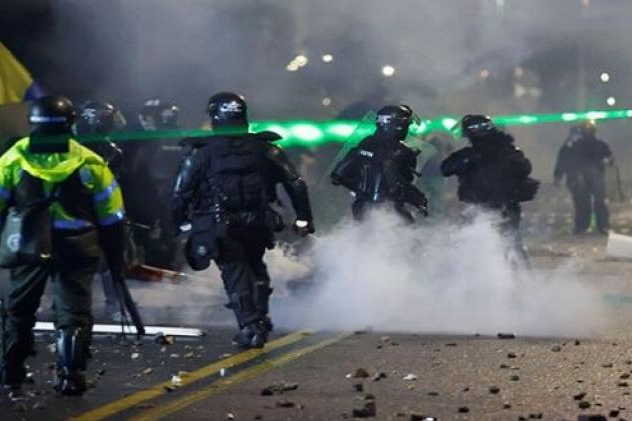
449, 377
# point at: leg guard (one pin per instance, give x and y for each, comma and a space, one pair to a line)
17, 346
72, 350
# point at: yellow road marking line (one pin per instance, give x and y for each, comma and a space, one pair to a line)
127, 402
221, 385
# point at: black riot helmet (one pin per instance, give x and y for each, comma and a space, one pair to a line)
227, 109
159, 115
588, 128
394, 120
53, 114
99, 117
476, 126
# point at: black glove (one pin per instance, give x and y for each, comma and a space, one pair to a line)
303, 228
112, 242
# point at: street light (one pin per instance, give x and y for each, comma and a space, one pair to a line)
388, 71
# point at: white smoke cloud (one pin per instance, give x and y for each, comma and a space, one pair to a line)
446, 279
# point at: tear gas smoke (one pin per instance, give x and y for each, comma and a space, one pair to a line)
446, 279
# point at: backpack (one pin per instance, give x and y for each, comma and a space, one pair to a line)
26, 237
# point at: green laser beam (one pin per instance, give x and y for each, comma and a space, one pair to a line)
308, 133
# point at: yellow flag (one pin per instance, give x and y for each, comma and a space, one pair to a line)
16, 84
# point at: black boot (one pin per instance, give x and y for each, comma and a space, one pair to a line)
244, 337
71, 361
260, 336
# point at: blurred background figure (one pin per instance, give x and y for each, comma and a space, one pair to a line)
582, 159
152, 166
103, 118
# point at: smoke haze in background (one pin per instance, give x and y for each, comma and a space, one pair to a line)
530, 52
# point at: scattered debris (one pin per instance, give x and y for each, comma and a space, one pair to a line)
506, 336
494, 390
358, 387
433, 393
625, 376
174, 356
556, 348
506, 405
360, 373
410, 377
176, 381
278, 388
511, 355
148, 371
623, 384
379, 376
451, 344
537, 416
230, 416
285, 404
577, 342
464, 410
584, 405
579, 396
514, 378
607, 365
614, 413
135, 355
364, 407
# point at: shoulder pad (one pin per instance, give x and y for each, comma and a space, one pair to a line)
195, 142
267, 136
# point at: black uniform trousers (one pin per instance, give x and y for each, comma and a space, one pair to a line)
245, 275
588, 189
75, 262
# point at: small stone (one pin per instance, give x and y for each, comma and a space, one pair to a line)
614, 413
379, 376
433, 393
577, 342
169, 388
511, 355
607, 365
385, 339
504, 366
148, 371
464, 410
410, 377
536, 416
366, 409
506, 336
624, 376
451, 344
360, 373
584, 405
556, 348
174, 356
39, 405
188, 355
494, 390
360, 332
579, 396
285, 404
358, 387
506, 405
623, 384
419, 417
514, 378
466, 389
101, 372
135, 355
230, 416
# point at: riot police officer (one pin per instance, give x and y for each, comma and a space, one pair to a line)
224, 188
86, 211
582, 160
381, 168
153, 166
494, 174
103, 118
